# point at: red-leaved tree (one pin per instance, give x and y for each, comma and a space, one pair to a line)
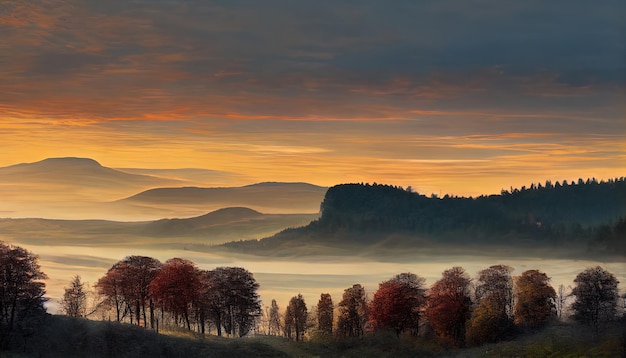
449, 304
176, 288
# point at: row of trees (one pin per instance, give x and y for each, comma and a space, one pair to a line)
144, 291
456, 310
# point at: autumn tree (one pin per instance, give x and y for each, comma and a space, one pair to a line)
296, 318
492, 318
398, 302
74, 302
176, 288
535, 306
126, 287
448, 305
232, 299
274, 319
596, 297
21, 289
353, 312
325, 314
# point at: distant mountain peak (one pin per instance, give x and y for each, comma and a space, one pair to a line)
70, 161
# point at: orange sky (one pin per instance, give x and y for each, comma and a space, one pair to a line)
429, 95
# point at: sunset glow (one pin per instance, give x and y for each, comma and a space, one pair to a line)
456, 97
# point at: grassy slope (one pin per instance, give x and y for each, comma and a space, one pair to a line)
60, 336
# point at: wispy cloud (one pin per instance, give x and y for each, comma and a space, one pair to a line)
328, 90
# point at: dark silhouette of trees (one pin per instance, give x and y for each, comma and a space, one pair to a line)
74, 302
398, 302
596, 297
353, 312
448, 306
296, 318
232, 300
21, 289
535, 304
492, 319
325, 314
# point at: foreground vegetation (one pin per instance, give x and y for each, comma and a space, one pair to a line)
60, 336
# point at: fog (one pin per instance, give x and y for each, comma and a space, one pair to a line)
282, 279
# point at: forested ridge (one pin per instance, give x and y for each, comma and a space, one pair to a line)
586, 212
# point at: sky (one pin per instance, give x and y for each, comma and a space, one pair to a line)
453, 96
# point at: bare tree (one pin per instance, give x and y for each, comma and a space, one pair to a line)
274, 319
561, 300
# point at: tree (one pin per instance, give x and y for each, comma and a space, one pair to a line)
561, 299
274, 319
296, 318
21, 289
535, 306
232, 299
74, 302
353, 312
492, 319
325, 312
596, 297
448, 305
398, 302
126, 287
176, 288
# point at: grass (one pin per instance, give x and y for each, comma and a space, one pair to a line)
59, 336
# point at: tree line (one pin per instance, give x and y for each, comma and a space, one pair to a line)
549, 213
456, 310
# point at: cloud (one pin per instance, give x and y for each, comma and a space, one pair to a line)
334, 81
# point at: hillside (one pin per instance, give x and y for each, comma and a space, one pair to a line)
386, 216
79, 172
215, 227
265, 197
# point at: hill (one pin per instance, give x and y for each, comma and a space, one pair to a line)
216, 227
385, 216
79, 172
266, 197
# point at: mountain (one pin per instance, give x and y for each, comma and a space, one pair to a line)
80, 172
228, 224
269, 197
384, 216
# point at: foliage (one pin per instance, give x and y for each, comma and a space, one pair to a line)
546, 214
535, 304
176, 288
325, 315
492, 319
448, 305
398, 302
231, 299
74, 303
126, 287
296, 318
21, 290
353, 312
596, 297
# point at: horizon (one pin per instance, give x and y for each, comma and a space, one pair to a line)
448, 97
240, 183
